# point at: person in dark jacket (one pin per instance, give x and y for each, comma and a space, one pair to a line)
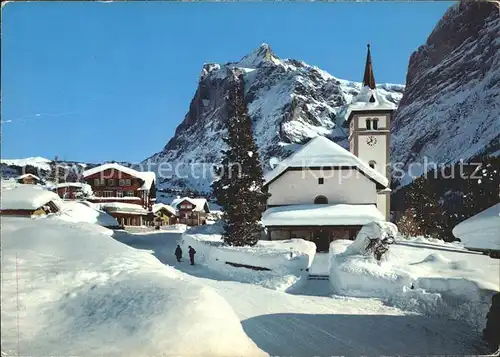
191, 252
178, 253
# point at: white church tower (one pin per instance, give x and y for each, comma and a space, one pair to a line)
369, 118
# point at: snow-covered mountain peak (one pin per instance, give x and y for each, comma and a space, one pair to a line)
288, 100
261, 56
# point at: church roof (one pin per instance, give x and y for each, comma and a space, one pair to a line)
322, 152
369, 99
369, 78
321, 215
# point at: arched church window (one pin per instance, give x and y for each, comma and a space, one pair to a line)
375, 124
321, 200
368, 124
372, 164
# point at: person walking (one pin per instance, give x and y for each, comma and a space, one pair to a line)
178, 253
191, 252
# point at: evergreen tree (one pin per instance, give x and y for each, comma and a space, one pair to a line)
54, 173
239, 188
422, 200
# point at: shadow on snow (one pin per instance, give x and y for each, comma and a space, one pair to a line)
360, 335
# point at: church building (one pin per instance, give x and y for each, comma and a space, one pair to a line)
323, 192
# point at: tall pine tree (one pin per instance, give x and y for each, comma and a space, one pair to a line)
239, 189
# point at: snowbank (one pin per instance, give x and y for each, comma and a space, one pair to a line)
481, 231
27, 197
123, 207
431, 280
286, 260
83, 293
74, 211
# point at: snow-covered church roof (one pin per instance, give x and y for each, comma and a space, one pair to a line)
147, 176
482, 230
322, 152
369, 99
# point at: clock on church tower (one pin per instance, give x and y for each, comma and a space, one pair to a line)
369, 120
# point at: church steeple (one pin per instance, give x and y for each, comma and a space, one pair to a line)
369, 78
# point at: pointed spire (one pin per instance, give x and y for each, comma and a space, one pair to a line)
369, 78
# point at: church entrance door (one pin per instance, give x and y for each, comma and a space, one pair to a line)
322, 241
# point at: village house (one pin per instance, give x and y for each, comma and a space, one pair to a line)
324, 192
163, 214
28, 179
125, 193
191, 211
73, 190
28, 200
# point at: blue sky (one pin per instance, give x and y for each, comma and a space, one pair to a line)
91, 81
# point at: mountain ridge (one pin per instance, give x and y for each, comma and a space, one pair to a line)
288, 100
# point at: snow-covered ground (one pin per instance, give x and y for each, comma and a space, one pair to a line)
287, 260
308, 320
67, 289
76, 211
432, 279
481, 230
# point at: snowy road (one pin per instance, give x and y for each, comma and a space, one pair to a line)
301, 324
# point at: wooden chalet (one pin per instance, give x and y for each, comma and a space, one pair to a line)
191, 211
115, 183
73, 190
28, 179
163, 214
28, 200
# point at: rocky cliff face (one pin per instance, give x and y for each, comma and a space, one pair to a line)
288, 100
451, 106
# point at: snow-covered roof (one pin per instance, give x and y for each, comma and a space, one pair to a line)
75, 211
147, 176
26, 197
28, 175
322, 152
159, 206
72, 184
125, 198
199, 203
321, 215
482, 230
370, 100
123, 207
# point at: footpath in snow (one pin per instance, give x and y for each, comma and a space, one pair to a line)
302, 324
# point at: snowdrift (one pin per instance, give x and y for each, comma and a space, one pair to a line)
481, 231
74, 211
26, 197
83, 293
286, 259
425, 279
